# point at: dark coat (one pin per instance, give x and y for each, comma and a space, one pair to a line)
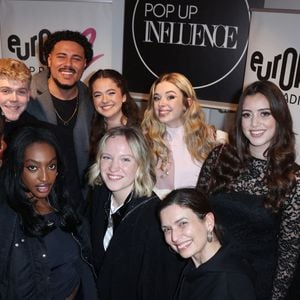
18, 249
42, 107
224, 277
137, 264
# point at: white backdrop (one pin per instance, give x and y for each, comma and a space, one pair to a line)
23, 23
274, 53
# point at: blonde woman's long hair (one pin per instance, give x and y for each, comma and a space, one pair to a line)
198, 135
145, 175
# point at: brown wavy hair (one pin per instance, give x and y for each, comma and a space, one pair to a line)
129, 108
199, 136
280, 155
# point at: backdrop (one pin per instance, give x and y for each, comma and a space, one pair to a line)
24, 25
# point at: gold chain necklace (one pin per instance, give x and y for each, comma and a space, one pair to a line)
66, 122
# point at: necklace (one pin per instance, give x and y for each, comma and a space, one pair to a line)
66, 122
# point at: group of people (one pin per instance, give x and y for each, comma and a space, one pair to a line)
100, 202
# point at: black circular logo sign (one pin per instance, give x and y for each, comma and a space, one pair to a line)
205, 39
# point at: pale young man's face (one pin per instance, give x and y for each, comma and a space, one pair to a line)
14, 97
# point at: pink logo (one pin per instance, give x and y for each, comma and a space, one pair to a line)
90, 33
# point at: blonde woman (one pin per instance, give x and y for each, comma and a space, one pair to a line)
175, 127
130, 256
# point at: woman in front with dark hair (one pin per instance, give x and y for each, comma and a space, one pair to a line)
254, 185
214, 271
45, 248
113, 105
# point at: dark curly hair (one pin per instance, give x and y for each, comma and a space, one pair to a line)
129, 108
16, 192
280, 154
68, 35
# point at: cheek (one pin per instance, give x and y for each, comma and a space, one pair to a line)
96, 102
53, 176
27, 179
24, 100
131, 172
103, 166
168, 239
244, 125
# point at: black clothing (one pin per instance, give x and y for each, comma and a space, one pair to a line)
270, 240
25, 271
223, 277
63, 256
71, 178
25, 119
137, 263
253, 231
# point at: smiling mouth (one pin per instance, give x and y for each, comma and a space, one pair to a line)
13, 107
183, 245
163, 112
114, 177
106, 107
257, 133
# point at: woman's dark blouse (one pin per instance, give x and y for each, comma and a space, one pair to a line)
241, 206
225, 276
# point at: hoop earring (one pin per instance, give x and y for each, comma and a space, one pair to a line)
209, 236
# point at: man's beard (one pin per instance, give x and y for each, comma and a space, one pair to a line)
63, 86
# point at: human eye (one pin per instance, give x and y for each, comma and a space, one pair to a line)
265, 113
126, 159
60, 56
182, 224
166, 229
22, 92
105, 157
52, 166
246, 115
171, 97
5, 91
97, 94
77, 58
31, 168
156, 98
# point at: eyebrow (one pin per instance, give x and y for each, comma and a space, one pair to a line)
267, 108
38, 162
176, 222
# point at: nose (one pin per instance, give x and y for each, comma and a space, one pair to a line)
14, 96
43, 175
114, 166
254, 121
162, 101
104, 98
68, 61
174, 235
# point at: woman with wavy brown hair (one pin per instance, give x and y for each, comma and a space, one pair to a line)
254, 184
174, 125
113, 104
